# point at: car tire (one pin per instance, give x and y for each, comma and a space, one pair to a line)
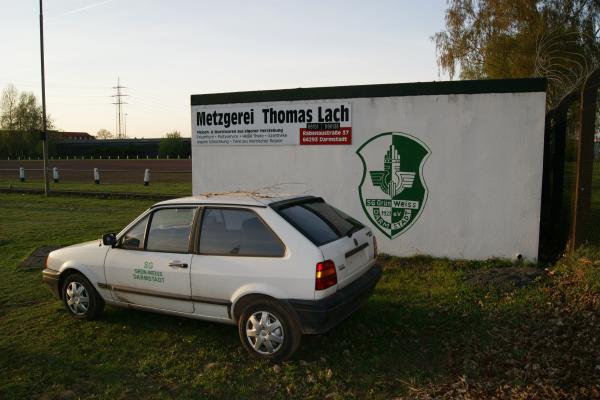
80, 297
269, 331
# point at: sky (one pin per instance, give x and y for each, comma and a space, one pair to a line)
164, 51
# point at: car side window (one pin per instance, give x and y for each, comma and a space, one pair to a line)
134, 238
170, 230
235, 232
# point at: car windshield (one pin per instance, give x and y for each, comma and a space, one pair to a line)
320, 222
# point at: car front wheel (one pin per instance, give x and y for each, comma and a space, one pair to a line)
268, 331
80, 298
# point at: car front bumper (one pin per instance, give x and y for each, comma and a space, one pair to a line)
51, 278
319, 316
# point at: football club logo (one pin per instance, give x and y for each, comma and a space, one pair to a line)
392, 190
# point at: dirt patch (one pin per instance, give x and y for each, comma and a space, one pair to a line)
504, 278
111, 171
38, 257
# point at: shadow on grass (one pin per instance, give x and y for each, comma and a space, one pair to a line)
383, 350
422, 328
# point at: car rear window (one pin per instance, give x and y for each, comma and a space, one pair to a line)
320, 222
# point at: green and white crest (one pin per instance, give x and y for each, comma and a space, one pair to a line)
392, 190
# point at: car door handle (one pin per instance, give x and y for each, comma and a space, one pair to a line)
177, 264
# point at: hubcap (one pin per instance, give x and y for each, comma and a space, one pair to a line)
264, 332
77, 298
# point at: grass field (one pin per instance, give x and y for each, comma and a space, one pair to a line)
426, 333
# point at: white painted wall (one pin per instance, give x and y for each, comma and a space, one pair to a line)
484, 173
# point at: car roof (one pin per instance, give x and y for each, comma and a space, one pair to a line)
251, 199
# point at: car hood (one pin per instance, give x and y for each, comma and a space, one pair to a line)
94, 243
87, 254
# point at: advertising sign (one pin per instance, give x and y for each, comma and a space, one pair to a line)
283, 124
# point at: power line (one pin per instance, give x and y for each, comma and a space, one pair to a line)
121, 134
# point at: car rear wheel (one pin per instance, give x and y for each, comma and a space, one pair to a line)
80, 298
268, 331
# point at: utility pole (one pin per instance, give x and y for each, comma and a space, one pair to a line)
119, 103
44, 122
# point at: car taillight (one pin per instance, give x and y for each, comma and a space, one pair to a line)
326, 276
375, 251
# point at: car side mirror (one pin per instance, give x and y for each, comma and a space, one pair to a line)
109, 239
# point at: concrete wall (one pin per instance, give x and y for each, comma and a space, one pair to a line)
483, 175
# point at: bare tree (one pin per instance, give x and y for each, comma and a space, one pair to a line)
20, 111
104, 134
8, 108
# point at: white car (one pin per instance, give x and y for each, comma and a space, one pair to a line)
276, 267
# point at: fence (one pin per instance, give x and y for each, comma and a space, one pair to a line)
111, 171
96, 175
99, 157
27, 144
570, 199
122, 148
